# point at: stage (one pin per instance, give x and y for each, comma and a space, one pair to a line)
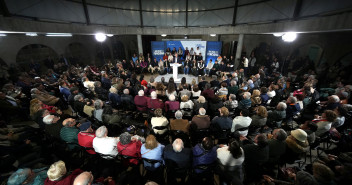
189, 78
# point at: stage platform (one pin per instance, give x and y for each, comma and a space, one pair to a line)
189, 78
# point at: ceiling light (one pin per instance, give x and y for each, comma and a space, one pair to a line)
32, 34
109, 35
289, 36
186, 37
213, 35
163, 35
278, 34
100, 37
2, 35
58, 35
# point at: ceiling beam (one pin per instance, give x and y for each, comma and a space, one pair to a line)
141, 13
186, 13
297, 10
235, 13
4, 8
86, 13
333, 23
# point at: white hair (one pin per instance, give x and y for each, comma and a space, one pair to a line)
101, 131
153, 95
140, 93
177, 145
247, 95
178, 114
281, 106
48, 119
202, 111
172, 97
335, 98
98, 104
250, 81
126, 91
113, 90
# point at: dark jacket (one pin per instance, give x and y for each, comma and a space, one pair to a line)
203, 157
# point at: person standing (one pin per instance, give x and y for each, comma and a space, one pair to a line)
245, 65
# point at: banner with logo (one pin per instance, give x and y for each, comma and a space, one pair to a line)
158, 50
213, 50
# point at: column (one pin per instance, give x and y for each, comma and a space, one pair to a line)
239, 50
140, 46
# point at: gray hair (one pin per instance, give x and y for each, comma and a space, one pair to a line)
140, 93
292, 99
177, 145
202, 111
113, 90
281, 106
233, 82
280, 135
126, 91
178, 114
48, 119
77, 97
153, 95
233, 97
34, 90
98, 104
97, 84
101, 132
125, 138
172, 97
247, 95
151, 80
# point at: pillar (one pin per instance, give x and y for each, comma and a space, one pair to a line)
239, 50
140, 46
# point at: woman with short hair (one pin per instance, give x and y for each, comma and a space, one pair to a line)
152, 149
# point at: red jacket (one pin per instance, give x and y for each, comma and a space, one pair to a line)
155, 104
141, 102
85, 139
66, 180
132, 149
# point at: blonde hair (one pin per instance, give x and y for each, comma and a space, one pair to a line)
151, 142
34, 106
256, 93
262, 111
56, 170
184, 98
201, 99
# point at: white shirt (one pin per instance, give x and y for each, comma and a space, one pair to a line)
88, 84
196, 94
245, 62
210, 65
240, 122
189, 102
159, 121
106, 145
271, 94
226, 158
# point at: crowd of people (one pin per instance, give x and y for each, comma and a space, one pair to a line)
95, 125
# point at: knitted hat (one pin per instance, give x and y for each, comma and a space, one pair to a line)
299, 134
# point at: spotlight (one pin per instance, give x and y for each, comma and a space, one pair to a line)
100, 37
2, 34
289, 36
213, 35
109, 35
32, 34
163, 35
278, 34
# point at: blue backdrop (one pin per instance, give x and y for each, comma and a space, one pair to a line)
213, 50
158, 50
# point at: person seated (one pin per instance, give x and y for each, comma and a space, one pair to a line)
292, 108
196, 91
127, 99
103, 144
222, 122
171, 89
130, 147
27, 176
177, 159
324, 122
264, 96
215, 83
114, 97
201, 67
230, 158
88, 84
141, 101
259, 118
214, 105
64, 90
184, 91
53, 125
100, 92
232, 103
204, 154
202, 83
154, 102
296, 144
200, 103
179, 123
233, 88
152, 149
159, 120
277, 145
57, 174
86, 136
78, 105
276, 116
172, 104
111, 116
256, 155
241, 121
255, 99
246, 102
45, 97
208, 93
201, 120
98, 112
87, 178
222, 92
185, 100
69, 132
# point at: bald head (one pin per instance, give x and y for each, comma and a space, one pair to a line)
85, 178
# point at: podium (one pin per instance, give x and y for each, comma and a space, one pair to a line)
175, 71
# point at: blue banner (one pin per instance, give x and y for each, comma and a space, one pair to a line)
213, 50
158, 50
